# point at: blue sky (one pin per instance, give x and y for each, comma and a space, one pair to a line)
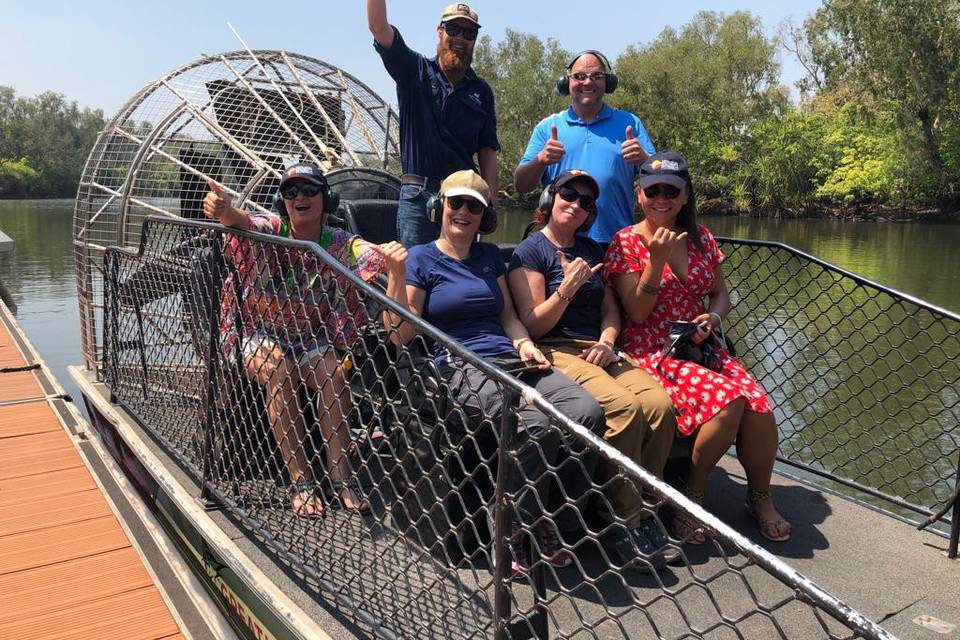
100, 52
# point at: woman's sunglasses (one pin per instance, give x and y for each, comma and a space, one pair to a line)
290, 191
454, 30
473, 206
570, 194
667, 191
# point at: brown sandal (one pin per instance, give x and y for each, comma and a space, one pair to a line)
305, 499
685, 528
769, 529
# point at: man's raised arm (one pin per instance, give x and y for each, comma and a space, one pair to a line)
378, 24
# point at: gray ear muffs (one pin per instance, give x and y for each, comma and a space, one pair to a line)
545, 205
488, 223
563, 83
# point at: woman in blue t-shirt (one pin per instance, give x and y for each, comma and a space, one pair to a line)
459, 286
562, 300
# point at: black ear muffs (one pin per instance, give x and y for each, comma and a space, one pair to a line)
331, 201
563, 83
545, 205
488, 223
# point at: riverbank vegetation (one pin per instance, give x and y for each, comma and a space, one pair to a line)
44, 141
876, 126
873, 126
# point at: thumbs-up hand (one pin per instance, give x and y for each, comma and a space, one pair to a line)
552, 151
630, 148
576, 273
217, 201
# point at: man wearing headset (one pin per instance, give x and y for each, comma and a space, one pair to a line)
446, 113
608, 143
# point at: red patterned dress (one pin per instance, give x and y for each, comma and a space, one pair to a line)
697, 392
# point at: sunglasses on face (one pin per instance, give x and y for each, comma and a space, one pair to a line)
581, 76
290, 191
455, 30
667, 191
570, 194
473, 206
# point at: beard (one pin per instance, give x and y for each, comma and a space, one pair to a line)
453, 60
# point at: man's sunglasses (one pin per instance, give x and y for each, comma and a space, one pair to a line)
473, 206
570, 194
667, 191
581, 76
290, 191
455, 30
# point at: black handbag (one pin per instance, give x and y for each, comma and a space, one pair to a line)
680, 345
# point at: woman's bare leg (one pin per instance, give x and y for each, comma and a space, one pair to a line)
757, 450
713, 439
325, 373
280, 378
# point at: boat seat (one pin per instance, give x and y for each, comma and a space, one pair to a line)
373, 220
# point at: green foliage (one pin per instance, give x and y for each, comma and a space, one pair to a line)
16, 178
521, 70
721, 79
55, 135
905, 56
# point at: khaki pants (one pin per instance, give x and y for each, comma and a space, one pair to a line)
639, 414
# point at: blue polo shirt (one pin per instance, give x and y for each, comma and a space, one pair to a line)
595, 148
441, 126
464, 298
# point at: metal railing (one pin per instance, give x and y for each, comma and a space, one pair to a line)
465, 467
865, 380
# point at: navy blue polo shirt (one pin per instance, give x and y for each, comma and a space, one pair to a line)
441, 126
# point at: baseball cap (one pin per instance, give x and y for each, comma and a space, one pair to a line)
306, 171
571, 175
466, 183
460, 10
665, 167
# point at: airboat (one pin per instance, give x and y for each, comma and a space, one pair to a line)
191, 438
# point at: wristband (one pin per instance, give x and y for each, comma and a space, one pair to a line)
562, 297
649, 288
521, 341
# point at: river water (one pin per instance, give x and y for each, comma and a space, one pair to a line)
38, 276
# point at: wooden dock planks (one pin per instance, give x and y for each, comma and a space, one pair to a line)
67, 569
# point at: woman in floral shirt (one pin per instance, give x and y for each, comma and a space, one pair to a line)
662, 268
293, 310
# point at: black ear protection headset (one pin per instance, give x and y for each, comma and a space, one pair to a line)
331, 200
563, 83
545, 205
488, 223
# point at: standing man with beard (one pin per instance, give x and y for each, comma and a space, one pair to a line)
446, 113
610, 144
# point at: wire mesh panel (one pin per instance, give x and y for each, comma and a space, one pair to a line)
421, 498
235, 118
864, 379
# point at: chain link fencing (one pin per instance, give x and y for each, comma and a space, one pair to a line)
864, 379
421, 500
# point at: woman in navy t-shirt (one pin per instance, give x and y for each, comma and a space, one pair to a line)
563, 302
459, 286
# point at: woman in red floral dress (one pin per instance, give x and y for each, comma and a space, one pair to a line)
662, 268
